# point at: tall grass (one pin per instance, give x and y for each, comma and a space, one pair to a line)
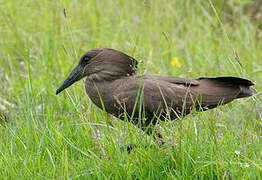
66, 137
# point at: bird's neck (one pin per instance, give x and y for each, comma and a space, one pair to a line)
99, 91
108, 76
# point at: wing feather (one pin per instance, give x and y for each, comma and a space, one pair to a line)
175, 95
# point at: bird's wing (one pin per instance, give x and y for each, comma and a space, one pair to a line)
172, 79
151, 95
154, 94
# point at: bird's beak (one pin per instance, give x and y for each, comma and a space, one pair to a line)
74, 76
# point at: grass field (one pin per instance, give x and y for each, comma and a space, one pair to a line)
67, 137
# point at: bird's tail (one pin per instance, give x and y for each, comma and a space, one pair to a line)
222, 90
246, 91
244, 85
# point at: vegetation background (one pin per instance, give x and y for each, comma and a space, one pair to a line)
44, 136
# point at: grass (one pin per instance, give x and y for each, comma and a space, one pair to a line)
67, 137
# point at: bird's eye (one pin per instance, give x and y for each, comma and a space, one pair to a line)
86, 58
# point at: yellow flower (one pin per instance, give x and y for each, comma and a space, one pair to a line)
175, 62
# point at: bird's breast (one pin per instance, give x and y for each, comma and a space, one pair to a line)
101, 94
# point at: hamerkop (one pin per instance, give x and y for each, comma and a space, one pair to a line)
112, 84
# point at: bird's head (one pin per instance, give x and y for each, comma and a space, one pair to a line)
101, 64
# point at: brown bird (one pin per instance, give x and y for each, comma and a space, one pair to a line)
112, 84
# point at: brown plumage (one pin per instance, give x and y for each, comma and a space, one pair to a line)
111, 76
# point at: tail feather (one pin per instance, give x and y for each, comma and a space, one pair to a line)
232, 80
246, 91
222, 90
243, 84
